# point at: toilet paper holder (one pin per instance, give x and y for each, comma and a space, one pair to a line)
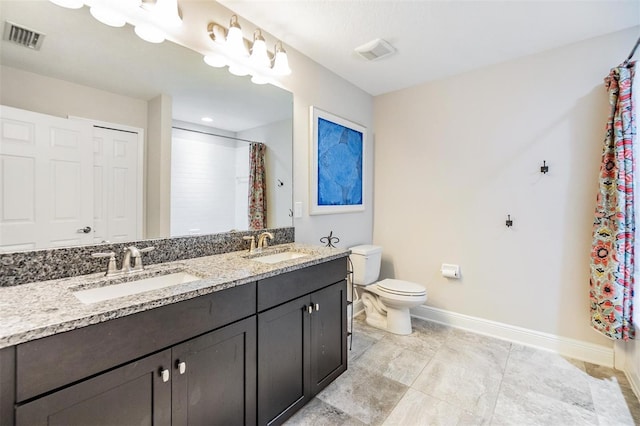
450, 271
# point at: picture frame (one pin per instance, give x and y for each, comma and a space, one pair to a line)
338, 154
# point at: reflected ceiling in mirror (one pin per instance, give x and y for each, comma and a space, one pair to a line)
79, 49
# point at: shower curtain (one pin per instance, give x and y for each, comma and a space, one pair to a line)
257, 187
612, 255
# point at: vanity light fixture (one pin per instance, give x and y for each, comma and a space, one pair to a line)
234, 42
231, 51
281, 62
149, 17
259, 55
207, 119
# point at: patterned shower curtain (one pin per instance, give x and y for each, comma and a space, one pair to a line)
257, 187
612, 254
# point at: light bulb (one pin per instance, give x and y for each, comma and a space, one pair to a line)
238, 70
107, 16
235, 41
215, 60
166, 12
259, 55
149, 33
281, 62
69, 4
258, 79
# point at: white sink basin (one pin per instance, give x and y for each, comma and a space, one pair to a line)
108, 292
279, 257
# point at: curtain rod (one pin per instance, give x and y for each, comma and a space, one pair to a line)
633, 51
214, 134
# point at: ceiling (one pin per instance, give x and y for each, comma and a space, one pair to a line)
80, 49
434, 39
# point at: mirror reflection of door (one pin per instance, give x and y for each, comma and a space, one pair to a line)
48, 182
115, 181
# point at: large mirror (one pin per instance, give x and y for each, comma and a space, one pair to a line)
89, 70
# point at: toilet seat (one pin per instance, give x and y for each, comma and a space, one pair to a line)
401, 288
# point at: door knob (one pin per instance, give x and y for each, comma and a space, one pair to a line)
182, 367
84, 230
317, 307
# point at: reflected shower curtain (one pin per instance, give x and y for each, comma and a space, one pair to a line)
612, 254
257, 187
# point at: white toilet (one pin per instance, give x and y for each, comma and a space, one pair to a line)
387, 302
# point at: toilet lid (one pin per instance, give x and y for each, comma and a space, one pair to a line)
403, 288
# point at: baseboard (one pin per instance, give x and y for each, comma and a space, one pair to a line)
634, 381
626, 360
584, 351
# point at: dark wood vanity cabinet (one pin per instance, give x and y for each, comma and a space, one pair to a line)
215, 382
251, 354
301, 342
131, 394
206, 380
78, 377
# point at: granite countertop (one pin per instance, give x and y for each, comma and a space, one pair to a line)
36, 310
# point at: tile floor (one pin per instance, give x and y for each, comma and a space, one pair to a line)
444, 376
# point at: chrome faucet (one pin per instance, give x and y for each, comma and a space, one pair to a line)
129, 253
134, 253
262, 239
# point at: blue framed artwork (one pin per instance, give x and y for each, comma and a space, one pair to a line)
337, 164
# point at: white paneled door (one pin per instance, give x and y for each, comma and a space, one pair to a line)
116, 188
66, 182
46, 181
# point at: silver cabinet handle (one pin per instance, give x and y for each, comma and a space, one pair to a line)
310, 309
182, 367
165, 375
317, 307
84, 230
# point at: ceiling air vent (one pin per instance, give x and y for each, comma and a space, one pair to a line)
375, 49
22, 36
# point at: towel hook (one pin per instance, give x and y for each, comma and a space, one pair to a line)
509, 222
544, 169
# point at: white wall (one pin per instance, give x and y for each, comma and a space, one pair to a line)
34, 92
203, 179
313, 84
456, 156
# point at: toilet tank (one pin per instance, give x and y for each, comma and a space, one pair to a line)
366, 261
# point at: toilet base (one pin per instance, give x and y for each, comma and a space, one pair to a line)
398, 321
395, 320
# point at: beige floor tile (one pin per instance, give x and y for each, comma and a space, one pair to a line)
519, 407
319, 413
366, 396
393, 362
448, 378
418, 409
549, 374
462, 378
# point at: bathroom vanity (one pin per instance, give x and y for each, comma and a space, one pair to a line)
249, 343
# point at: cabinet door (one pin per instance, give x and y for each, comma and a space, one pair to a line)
328, 335
214, 377
132, 394
283, 361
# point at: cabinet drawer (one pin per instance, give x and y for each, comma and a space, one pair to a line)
49, 363
282, 288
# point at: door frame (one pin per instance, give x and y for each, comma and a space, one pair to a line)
141, 177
